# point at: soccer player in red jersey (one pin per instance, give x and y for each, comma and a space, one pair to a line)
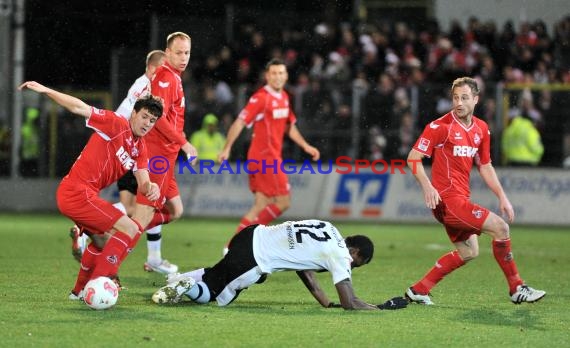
456, 141
115, 148
269, 111
167, 138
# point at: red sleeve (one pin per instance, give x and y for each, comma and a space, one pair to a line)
166, 129
434, 134
292, 117
484, 153
254, 107
106, 123
163, 86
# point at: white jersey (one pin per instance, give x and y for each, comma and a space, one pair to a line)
139, 88
301, 246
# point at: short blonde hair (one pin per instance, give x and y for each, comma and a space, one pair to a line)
153, 57
176, 35
466, 81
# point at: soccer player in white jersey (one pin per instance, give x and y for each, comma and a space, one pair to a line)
127, 184
306, 246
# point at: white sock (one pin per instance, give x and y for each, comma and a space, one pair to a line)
195, 274
199, 293
120, 206
153, 243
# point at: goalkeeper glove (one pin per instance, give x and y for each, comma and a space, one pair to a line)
394, 303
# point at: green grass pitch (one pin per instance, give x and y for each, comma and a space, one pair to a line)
472, 307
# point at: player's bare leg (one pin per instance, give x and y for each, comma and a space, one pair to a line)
519, 292
149, 217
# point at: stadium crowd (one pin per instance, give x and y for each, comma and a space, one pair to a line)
388, 79
384, 67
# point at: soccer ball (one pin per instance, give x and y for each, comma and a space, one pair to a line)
100, 293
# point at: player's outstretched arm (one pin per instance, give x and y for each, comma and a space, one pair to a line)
233, 134
348, 299
296, 136
310, 280
74, 105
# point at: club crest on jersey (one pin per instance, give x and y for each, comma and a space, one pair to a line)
477, 139
280, 113
423, 144
478, 213
135, 152
113, 259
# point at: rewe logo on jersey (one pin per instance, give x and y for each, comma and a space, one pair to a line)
126, 161
280, 113
464, 151
360, 195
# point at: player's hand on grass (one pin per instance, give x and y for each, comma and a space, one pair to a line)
394, 303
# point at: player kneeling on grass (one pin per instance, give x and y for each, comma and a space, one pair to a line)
306, 246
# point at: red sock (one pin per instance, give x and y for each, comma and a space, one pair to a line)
88, 261
270, 213
244, 222
161, 217
445, 265
504, 257
110, 259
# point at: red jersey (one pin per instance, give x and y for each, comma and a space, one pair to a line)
167, 135
110, 152
270, 113
454, 148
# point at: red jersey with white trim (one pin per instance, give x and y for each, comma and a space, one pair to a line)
110, 152
167, 135
454, 149
270, 113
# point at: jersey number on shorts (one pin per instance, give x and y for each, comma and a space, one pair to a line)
311, 231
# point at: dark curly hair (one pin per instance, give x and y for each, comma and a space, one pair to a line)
363, 244
151, 103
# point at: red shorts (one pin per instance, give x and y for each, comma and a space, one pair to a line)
269, 181
83, 205
167, 185
461, 217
